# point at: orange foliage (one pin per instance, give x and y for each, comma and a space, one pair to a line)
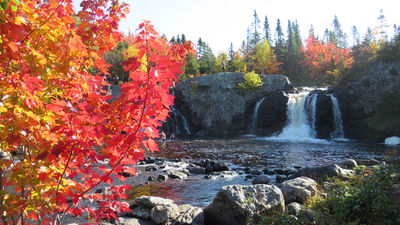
59, 136
323, 58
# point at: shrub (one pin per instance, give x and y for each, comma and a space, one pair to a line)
252, 82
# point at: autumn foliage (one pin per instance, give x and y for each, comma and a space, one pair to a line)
59, 136
324, 59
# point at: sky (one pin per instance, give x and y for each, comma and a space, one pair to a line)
220, 22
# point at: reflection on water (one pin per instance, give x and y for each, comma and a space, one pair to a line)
248, 151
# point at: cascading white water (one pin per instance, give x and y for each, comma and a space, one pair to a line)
337, 116
179, 117
298, 126
255, 116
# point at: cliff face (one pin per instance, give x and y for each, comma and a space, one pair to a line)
215, 106
371, 107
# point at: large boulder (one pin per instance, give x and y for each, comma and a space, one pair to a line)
189, 215
164, 213
298, 189
150, 201
271, 116
214, 105
321, 173
324, 118
132, 221
236, 204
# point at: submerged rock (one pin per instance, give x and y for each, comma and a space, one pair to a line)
261, 179
236, 204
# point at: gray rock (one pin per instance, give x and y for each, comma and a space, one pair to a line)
150, 201
177, 175
151, 168
348, 164
298, 189
197, 170
261, 179
236, 204
214, 104
367, 104
141, 212
369, 162
132, 221
293, 208
281, 178
164, 213
162, 177
321, 173
189, 215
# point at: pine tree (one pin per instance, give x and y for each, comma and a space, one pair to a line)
231, 58
356, 35
337, 36
267, 29
280, 50
255, 35
178, 39
382, 26
183, 38
173, 40
368, 37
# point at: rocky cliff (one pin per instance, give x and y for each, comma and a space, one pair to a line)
215, 106
370, 107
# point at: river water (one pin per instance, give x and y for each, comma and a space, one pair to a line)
257, 153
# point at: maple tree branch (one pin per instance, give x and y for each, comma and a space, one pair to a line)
61, 177
127, 149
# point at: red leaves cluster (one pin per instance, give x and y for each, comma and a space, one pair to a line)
321, 58
56, 116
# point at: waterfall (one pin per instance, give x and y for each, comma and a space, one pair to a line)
255, 115
180, 120
337, 116
298, 126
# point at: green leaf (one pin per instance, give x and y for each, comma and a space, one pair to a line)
17, 2
13, 8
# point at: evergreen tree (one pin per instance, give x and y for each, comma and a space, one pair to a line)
326, 36
183, 38
382, 26
280, 50
297, 35
292, 66
255, 35
178, 39
267, 29
231, 58
173, 40
337, 36
191, 67
368, 37
356, 35
206, 58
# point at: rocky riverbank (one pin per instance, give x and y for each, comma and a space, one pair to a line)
270, 191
